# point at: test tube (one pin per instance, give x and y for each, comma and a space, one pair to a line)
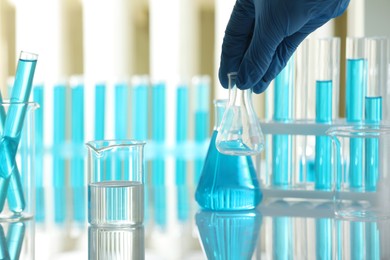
140, 118
158, 164
356, 80
328, 51
283, 112
282, 235
181, 163
324, 232
373, 250
121, 119
59, 138
4, 182
40, 195
77, 162
100, 105
201, 86
13, 126
377, 63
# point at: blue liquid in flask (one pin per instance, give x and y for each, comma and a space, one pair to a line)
227, 182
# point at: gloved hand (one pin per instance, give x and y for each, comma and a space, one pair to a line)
262, 35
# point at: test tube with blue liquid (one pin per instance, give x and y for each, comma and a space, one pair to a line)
182, 111
356, 83
121, 118
158, 163
100, 107
283, 112
328, 51
140, 121
77, 163
59, 138
40, 192
377, 63
201, 86
13, 126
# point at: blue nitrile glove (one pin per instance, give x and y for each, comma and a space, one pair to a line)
262, 35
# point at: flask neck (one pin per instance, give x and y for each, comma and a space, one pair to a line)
219, 109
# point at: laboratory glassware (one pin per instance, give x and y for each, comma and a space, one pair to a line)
356, 82
328, 51
377, 69
115, 198
227, 182
17, 242
366, 201
240, 132
242, 228
283, 112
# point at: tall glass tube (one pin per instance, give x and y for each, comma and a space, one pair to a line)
377, 63
201, 85
283, 112
327, 50
356, 82
13, 126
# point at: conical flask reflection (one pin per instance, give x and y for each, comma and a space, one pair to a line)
228, 235
240, 132
227, 182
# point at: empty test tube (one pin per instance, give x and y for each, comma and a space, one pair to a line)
13, 127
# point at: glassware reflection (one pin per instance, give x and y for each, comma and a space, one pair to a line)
228, 235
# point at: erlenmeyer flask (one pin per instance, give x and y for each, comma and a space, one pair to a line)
227, 182
240, 132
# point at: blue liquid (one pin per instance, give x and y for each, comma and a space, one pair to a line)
140, 112
121, 111
100, 104
40, 195
357, 240
3, 245
323, 163
355, 91
201, 135
15, 236
282, 238
59, 120
227, 182
324, 231
229, 235
372, 241
283, 111
373, 115
282, 160
77, 163
158, 164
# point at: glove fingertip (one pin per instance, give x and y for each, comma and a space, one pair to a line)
223, 78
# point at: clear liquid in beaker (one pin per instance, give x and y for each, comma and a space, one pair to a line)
116, 202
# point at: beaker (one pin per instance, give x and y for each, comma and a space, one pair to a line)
239, 132
227, 182
371, 199
115, 198
17, 197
